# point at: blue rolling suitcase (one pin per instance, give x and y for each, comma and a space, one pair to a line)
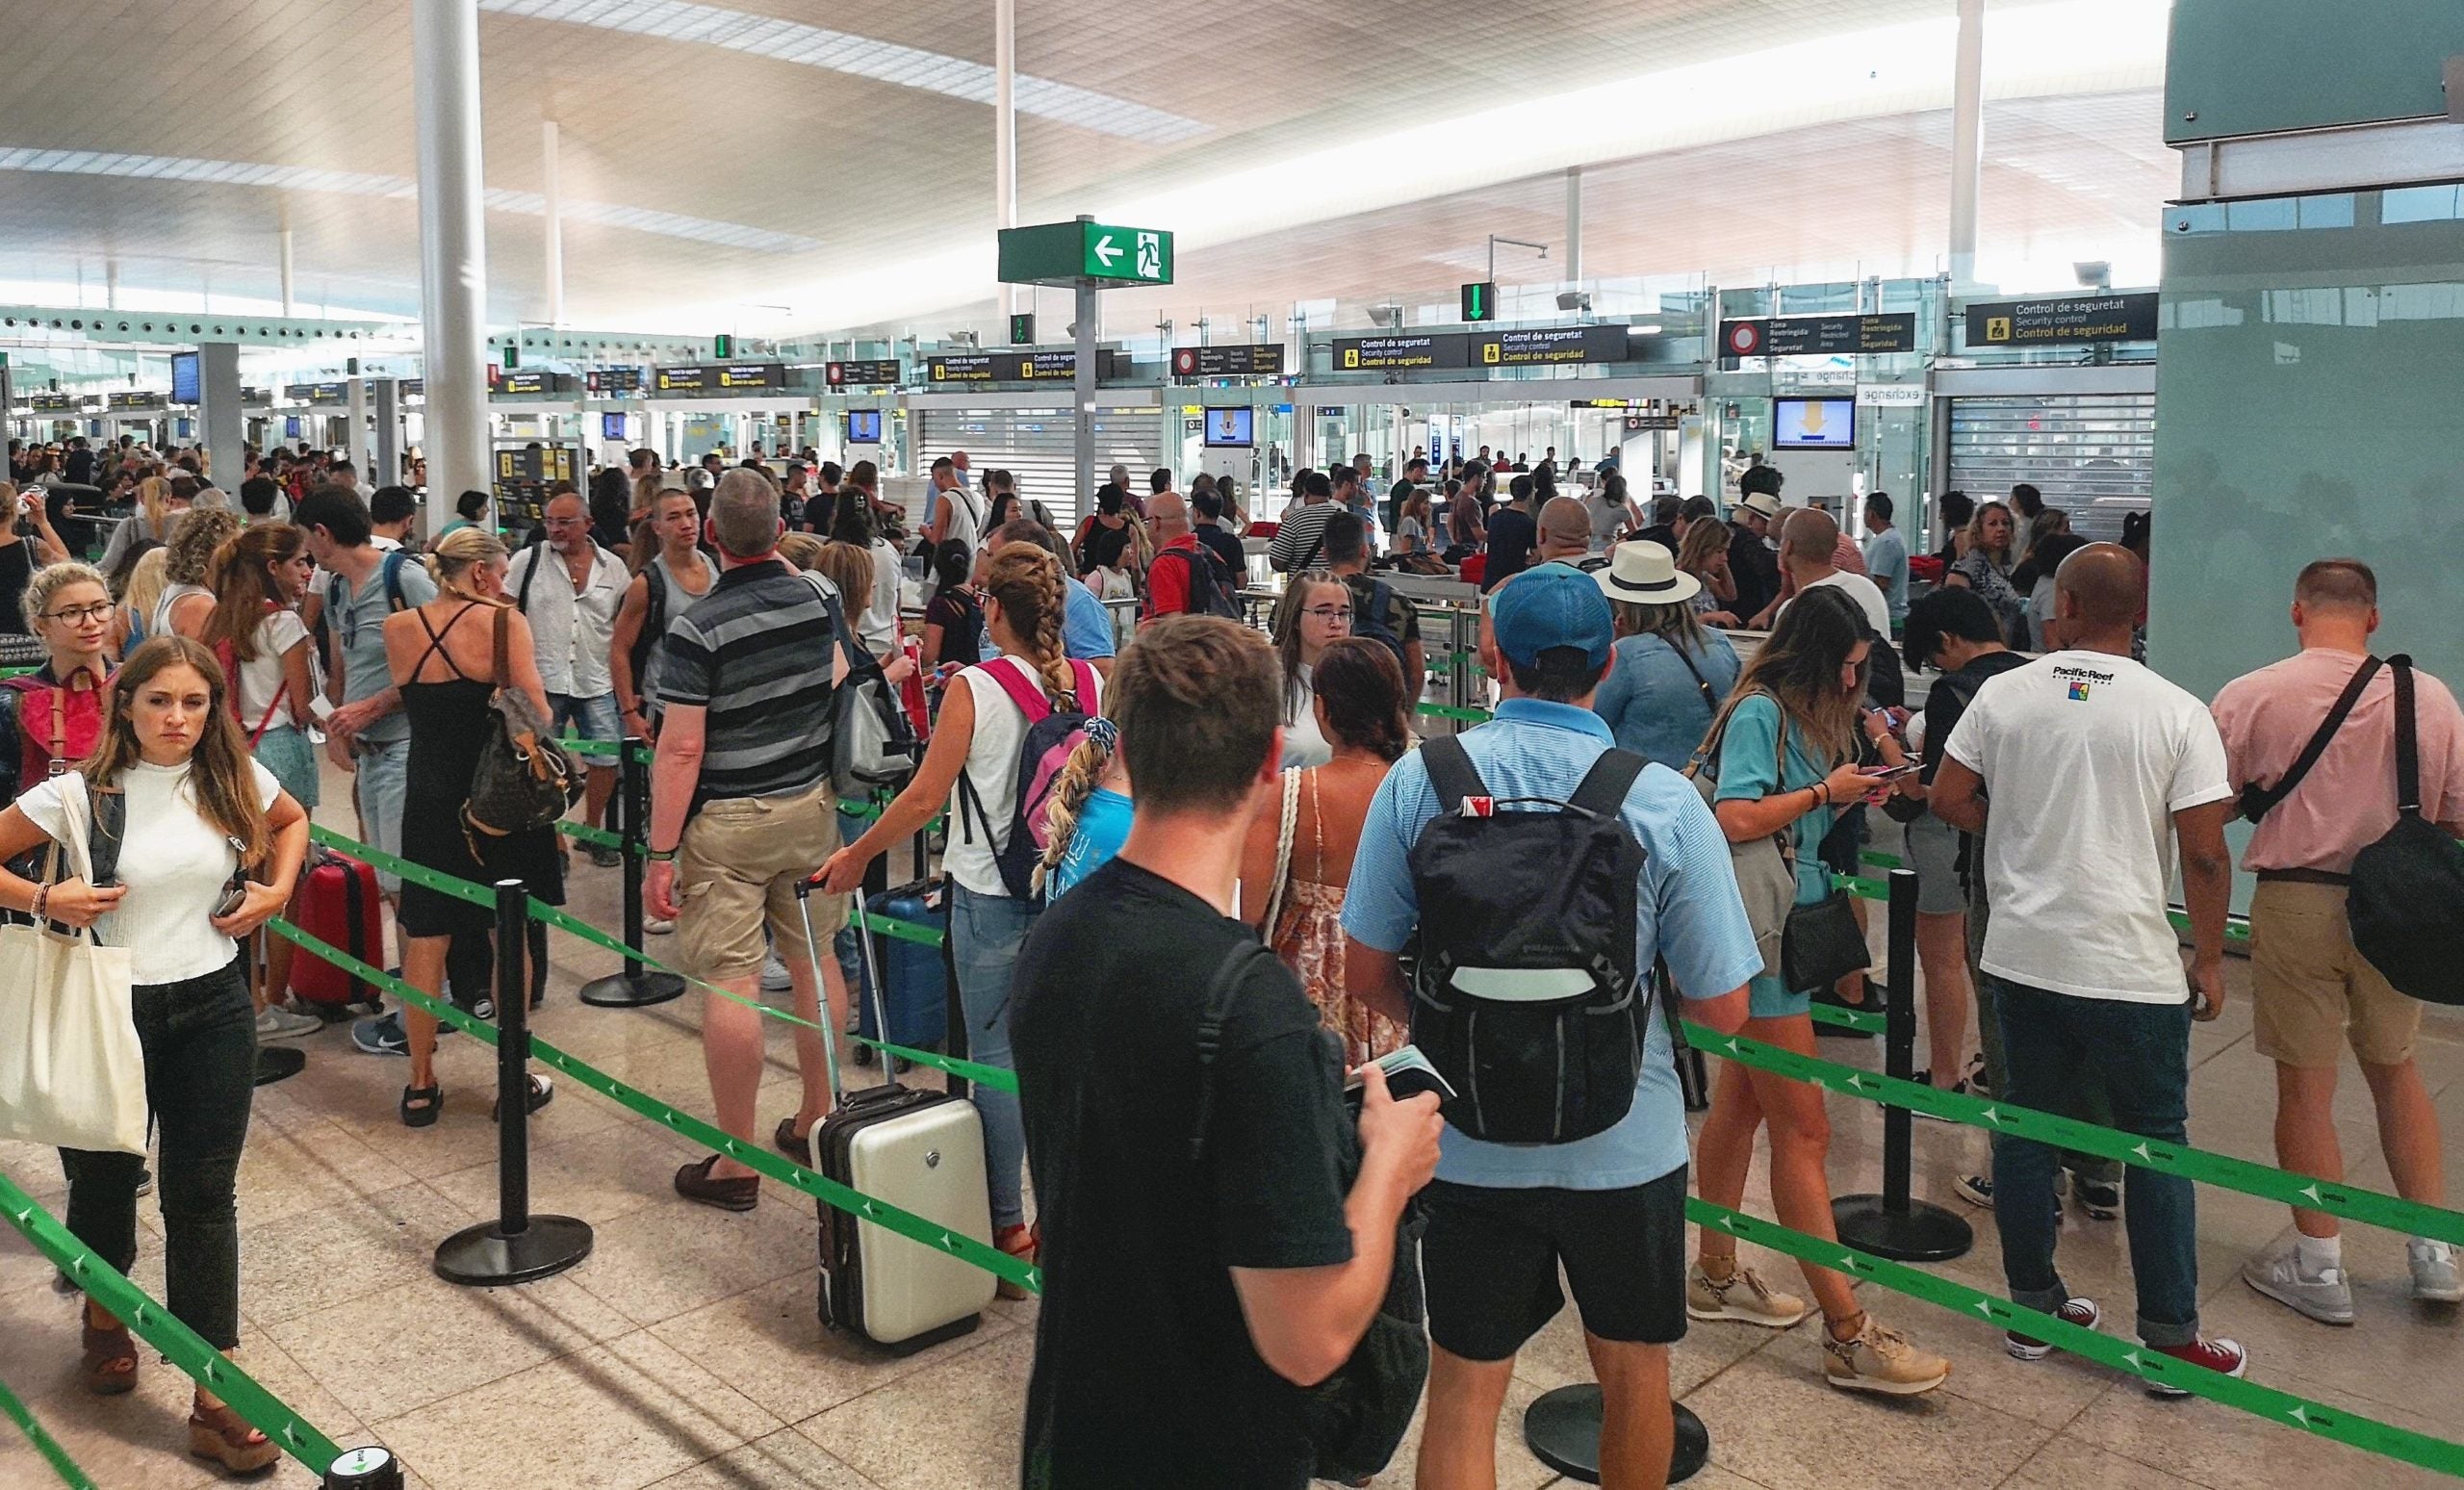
916, 989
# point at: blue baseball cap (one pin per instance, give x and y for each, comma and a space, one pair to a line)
1551, 607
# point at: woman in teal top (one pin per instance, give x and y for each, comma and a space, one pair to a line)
1087, 819
1808, 682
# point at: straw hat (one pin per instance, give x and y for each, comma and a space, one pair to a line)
1762, 504
1646, 573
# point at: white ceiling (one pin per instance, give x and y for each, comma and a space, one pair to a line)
835, 157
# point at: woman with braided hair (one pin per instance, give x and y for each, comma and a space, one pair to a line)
1088, 816
972, 770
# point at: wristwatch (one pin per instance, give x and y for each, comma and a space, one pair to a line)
659, 856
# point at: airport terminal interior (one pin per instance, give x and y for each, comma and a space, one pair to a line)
1464, 369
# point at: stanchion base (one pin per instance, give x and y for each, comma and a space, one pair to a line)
1562, 1430
1921, 1233
278, 1063
632, 990
483, 1257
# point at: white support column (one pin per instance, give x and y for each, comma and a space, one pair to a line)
453, 263
290, 281
1968, 142
361, 445
1574, 226
385, 394
551, 235
1005, 124
219, 419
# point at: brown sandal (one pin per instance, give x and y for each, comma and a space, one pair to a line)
784, 1139
110, 1366
219, 1434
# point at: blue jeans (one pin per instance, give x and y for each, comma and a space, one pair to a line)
382, 775
2140, 1053
986, 935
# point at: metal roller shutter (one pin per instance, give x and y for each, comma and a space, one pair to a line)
1039, 447
2093, 456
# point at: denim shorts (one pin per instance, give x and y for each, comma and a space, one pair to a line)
284, 751
591, 717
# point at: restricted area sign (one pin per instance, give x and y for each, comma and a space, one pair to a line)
1075, 253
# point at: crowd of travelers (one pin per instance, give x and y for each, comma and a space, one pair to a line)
1322, 1159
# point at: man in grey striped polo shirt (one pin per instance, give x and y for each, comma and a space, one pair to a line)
741, 809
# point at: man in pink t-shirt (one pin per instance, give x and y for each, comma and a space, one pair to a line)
2313, 992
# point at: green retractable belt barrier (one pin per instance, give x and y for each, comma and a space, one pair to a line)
44, 1444
158, 1327
751, 1156
991, 1076
2319, 1418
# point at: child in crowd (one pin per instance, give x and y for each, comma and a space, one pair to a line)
1088, 816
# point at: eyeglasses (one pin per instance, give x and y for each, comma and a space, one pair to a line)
101, 610
1329, 613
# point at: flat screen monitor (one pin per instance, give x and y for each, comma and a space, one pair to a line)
1230, 427
863, 426
612, 427
184, 377
1814, 423
290, 426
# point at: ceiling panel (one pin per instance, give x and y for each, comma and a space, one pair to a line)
869, 172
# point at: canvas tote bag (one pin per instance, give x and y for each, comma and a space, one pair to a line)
72, 1074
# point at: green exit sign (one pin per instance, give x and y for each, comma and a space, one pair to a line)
1072, 253
1481, 300
1023, 328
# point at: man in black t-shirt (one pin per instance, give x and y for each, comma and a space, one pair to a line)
1190, 1296
1513, 531
1209, 507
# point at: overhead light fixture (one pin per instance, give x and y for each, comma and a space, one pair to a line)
1649, 329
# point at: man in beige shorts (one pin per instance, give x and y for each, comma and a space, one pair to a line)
2315, 992
742, 809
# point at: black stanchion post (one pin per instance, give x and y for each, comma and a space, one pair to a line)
1892, 1225
517, 1247
1562, 1430
637, 987
369, 1468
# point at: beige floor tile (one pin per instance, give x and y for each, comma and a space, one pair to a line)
598, 1177
2049, 1393
951, 1427
2223, 1449
769, 1344
1777, 1423
785, 1460
423, 1339
613, 1417
672, 1257
298, 1264
2394, 1347
285, 1173
2066, 1464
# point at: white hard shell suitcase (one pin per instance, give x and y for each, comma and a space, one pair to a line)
922, 1151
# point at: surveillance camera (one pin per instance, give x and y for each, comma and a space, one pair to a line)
1573, 300
2094, 274
1388, 314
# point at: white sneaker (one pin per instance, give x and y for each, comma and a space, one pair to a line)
2434, 1276
279, 1023
2324, 1295
774, 976
656, 926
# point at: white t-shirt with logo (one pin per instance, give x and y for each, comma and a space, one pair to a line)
2086, 756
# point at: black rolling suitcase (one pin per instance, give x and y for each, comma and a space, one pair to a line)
915, 1148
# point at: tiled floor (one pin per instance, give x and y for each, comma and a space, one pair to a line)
685, 1353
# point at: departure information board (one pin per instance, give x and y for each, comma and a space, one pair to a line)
862, 372
1227, 361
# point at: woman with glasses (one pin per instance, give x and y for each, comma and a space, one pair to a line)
1315, 609
50, 719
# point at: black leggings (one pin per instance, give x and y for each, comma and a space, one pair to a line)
471, 964
200, 1042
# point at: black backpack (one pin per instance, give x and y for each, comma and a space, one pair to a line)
2407, 898
1369, 620
1527, 980
1209, 587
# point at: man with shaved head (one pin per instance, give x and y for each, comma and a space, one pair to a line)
1185, 578
2315, 994
1565, 534
2096, 768
1808, 555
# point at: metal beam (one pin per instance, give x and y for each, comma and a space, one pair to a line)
2348, 157
453, 263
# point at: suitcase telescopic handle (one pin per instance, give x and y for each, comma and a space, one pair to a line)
821, 993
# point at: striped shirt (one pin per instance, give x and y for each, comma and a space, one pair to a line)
1300, 538
757, 652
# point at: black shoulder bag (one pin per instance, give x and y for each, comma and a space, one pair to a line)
2406, 904
2259, 801
1357, 1416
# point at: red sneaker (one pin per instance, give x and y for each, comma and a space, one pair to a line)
2082, 1311
2223, 1356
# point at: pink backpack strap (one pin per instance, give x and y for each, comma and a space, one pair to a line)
1085, 672
1025, 690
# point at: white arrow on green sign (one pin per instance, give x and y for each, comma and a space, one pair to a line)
1072, 253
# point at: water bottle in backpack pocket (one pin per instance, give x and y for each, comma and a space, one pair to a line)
1526, 996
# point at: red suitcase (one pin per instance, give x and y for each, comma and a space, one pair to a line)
337, 904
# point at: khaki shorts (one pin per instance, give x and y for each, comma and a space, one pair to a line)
2314, 990
737, 868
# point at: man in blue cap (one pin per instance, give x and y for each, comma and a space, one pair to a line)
1609, 1208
